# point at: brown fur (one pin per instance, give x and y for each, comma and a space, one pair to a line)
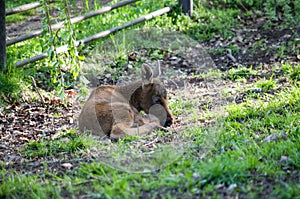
115, 110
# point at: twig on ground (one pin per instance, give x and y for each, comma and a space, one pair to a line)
229, 54
152, 142
36, 89
87, 181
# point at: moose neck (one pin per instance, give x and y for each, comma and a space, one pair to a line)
129, 90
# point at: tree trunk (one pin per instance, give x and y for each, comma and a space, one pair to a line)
2, 36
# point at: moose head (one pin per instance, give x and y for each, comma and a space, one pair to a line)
151, 96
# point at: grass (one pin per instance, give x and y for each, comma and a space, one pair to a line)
236, 159
240, 73
220, 152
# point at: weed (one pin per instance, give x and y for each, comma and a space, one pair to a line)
266, 85
17, 186
240, 73
295, 73
69, 144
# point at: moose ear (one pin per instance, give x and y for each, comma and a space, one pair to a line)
147, 74
156, 70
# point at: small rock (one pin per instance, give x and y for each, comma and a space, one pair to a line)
287, 36
256, 136
272, 137
174, 62
240, 38
65, 139
255, 90
231, 90
173, 58
219, 186
67, 165
2, 146
11, 157
108, 75
23, 139
232, 187
284, 159
71, 120
185, 64
283, 135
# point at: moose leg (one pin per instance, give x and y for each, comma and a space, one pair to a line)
128, 121
120, 131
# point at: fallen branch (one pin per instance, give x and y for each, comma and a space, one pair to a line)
150, 143
229, 54
36, 89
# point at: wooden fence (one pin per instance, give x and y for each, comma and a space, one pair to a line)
186, 5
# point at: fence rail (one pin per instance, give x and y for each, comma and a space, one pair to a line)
25, 7
102, 34
73, 21
186, 5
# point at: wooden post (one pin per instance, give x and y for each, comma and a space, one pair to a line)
2, 36
187, 6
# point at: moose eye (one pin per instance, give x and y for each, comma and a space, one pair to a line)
156, 100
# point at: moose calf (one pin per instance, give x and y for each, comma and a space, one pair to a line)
115, 110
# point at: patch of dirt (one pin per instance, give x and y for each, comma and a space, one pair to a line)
252, 45
262, 184
21, 123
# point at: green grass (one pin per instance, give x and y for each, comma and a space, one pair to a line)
13, 84
240, 73
54, 148
227, 158
17, 186
237, 159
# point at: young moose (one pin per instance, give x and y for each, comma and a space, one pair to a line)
115, 110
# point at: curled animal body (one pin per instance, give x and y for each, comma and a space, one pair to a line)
115, 110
